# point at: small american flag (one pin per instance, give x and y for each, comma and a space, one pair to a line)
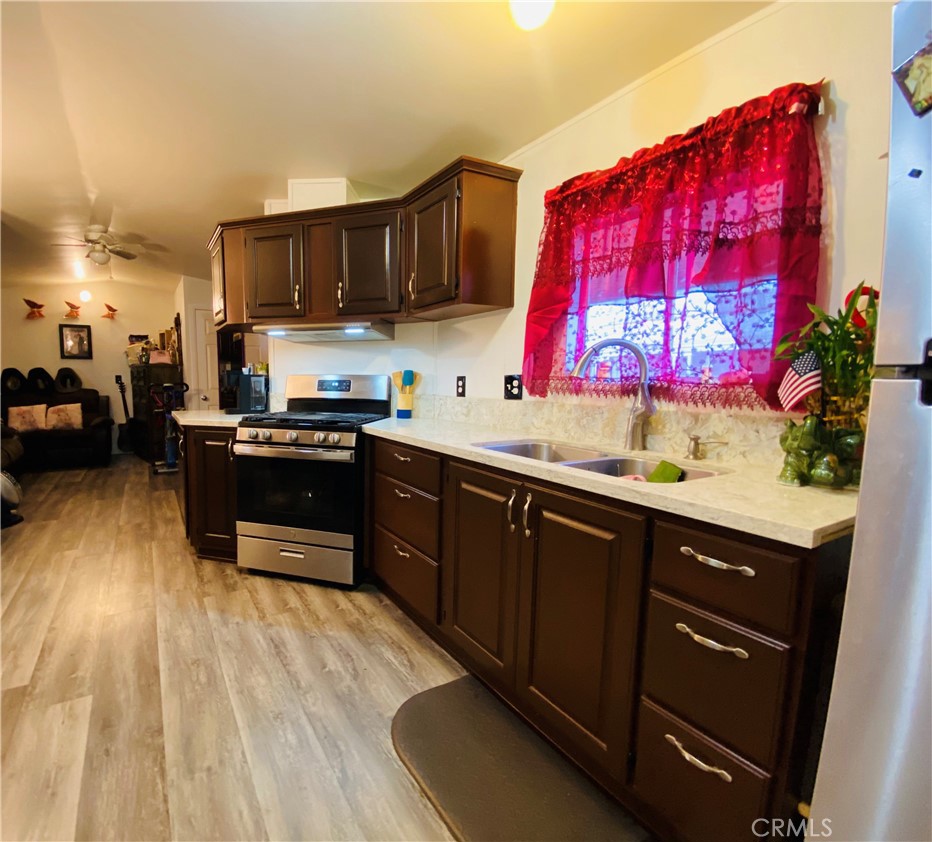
802, 377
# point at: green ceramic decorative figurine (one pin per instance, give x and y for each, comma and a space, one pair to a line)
820, 456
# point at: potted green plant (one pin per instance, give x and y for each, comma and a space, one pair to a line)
829, 451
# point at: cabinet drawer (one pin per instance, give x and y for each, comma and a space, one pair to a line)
718, 803
736, 699
414, 467
763, 589
410, 574
410, 514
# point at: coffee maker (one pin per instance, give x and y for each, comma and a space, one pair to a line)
244, 393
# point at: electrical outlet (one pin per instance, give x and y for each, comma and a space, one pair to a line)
514, 390
461, 386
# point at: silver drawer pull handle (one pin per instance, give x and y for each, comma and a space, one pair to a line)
511, 502
527, 506
401, 552
402, 494
695, 760
401, 458
290, 553
711, 644
714, 562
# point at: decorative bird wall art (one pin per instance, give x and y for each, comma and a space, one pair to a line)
111, 312
72, 311
35, 309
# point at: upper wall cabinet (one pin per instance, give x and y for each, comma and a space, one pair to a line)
275, 271
444, 250
461, 241
368, 263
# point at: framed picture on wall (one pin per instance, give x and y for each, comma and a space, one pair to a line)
74, 342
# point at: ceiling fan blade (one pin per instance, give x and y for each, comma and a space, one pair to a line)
69, 245
119, 251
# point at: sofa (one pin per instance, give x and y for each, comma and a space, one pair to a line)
87, 446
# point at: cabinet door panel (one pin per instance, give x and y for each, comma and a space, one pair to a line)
212, 490
432, 246
274, 271
217, 282
580, 581
368, 263
480, 570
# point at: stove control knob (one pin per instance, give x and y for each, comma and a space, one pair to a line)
320, 438
334, 438
292, 435
266, 435
253, 434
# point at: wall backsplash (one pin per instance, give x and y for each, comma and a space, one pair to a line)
752, 437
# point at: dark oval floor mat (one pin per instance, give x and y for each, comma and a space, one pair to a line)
491, 777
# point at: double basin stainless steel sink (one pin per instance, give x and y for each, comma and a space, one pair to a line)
588, 459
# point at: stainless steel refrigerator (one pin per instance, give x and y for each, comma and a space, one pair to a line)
874, 779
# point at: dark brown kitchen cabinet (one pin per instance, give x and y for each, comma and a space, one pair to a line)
432, 246
564, 644
274, 271
445, 249
217, 282
368, 263
480, 570
210, 485
227, 254
319, 288
406, 540
580, 579
461, 241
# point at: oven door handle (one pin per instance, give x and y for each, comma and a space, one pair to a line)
315, 454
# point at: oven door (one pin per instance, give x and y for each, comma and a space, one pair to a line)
315, 489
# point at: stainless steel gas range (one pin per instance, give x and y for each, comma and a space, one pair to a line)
300, 477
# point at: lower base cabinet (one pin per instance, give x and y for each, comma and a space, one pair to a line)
669, 659
210, 490
541, 594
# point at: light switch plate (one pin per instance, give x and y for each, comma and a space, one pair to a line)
514, 389
461, 386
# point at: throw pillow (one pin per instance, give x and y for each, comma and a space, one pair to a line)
64, 417
25, 419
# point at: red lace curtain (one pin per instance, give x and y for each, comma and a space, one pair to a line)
703, 249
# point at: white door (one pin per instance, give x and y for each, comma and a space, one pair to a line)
205, 393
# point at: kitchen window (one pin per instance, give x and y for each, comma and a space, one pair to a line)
703, 250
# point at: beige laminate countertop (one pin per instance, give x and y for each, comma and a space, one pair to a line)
748, 498
205, 418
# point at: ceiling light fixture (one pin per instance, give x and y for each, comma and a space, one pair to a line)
99, 255
79, 270
530, 14
85, 296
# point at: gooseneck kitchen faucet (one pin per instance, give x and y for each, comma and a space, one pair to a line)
643, 406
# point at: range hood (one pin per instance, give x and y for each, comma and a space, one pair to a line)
328, 332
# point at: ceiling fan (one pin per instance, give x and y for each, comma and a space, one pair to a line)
102, 245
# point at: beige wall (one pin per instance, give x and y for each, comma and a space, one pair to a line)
846, 43
31, 343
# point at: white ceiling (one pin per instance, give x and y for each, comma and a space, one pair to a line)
161, 118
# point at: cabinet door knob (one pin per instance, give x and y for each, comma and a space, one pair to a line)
401, 552
511, 503
524, 516
711, 644
695, 760
718, 565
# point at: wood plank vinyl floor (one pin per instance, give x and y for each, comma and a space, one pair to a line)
148, 694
